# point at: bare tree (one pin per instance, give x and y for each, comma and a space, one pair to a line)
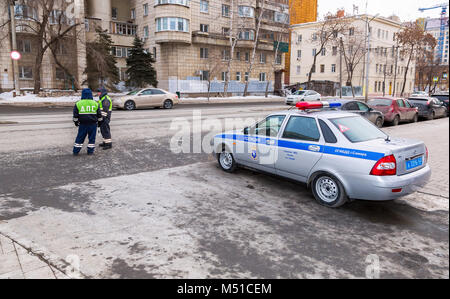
353, 48
411, 39
258, 21
212, 65
4, 23
328, 33
48, 20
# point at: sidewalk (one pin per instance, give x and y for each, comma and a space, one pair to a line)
17, 263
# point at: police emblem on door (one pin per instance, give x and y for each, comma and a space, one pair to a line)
254, 154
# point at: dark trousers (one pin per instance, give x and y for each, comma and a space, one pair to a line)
83, 131
105, 129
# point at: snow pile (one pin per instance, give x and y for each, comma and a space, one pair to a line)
8, 98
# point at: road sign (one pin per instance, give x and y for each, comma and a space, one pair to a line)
282, 47
15, 55
435, 79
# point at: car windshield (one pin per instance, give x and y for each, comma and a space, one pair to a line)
132, 93
300, 92
357, 129
418, 99
379, 102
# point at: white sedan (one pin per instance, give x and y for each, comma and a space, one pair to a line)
303, 96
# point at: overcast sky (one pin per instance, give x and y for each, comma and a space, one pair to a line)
406, 9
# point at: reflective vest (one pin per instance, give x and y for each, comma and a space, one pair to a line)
110, 103
87, 107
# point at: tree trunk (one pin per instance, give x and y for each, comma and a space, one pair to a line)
406, 71
37, 71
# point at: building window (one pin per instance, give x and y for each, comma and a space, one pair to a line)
60, 74
246, 77
25, 12
238, 76
204, 28
180, 2
282, 18
278, 59
299, 54
247, 35
204, 53
246, 11
314, 36
333, 68
204, 75
238, 56
247, 56
298, 69
146, 32
154, 53
225, 31
224, 76
225, 10
262, 77
300, 38
323, 52
322, 68
114, 13
335, 50
204, 6
351, 31
145, 9
121, 52
24, 46
172, 24
262, 58
25, 72
226, 55
124, 29
133, 14
314, 52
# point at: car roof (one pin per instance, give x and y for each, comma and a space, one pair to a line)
326, 113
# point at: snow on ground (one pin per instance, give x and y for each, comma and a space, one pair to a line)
8, 98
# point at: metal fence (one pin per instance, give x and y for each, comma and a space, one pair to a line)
234, 87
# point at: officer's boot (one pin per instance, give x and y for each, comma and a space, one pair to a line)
102, 144
107, 146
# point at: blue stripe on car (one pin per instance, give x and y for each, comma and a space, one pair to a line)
329, 150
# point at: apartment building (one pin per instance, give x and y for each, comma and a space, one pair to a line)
190, 40
386, 66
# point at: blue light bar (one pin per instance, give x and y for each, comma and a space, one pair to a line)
335, 105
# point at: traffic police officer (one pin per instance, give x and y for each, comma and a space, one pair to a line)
86, 115
105, 105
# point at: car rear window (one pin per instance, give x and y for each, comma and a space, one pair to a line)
418, 99
379, 102
357, 129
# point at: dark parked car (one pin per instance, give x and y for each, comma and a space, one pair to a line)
362, 109
395, 110
444, 99
429, 108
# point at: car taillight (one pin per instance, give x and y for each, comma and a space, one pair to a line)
385, 166
426, 156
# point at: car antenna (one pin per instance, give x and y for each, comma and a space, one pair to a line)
388, 138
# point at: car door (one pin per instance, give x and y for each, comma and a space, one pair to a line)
438, 106
309, 96
411, 110
144, 98
300, 147
403, 111
257, 149
158, 97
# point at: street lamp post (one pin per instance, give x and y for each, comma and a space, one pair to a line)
367, 64
14, 47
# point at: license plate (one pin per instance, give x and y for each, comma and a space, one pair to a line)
411, 164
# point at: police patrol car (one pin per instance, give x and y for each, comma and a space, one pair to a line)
341, 156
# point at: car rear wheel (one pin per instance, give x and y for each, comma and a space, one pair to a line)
396, 121
130, 105
168, 104
329, 191
226, 161
379, 122
432, 115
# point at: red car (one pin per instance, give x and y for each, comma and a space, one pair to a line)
395, 110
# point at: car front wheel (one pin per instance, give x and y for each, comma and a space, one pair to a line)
396, 121
226, 161
130, 105
168, 104
329, 191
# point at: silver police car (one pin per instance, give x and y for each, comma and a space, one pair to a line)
341, 156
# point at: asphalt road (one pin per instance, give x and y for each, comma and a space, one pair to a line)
143, 211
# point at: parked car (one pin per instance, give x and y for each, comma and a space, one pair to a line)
395, 110
420, 94
429, 108
146, 98
303, 96
361, 108
444, 99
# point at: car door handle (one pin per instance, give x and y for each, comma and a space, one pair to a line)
270, 142
314, 148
